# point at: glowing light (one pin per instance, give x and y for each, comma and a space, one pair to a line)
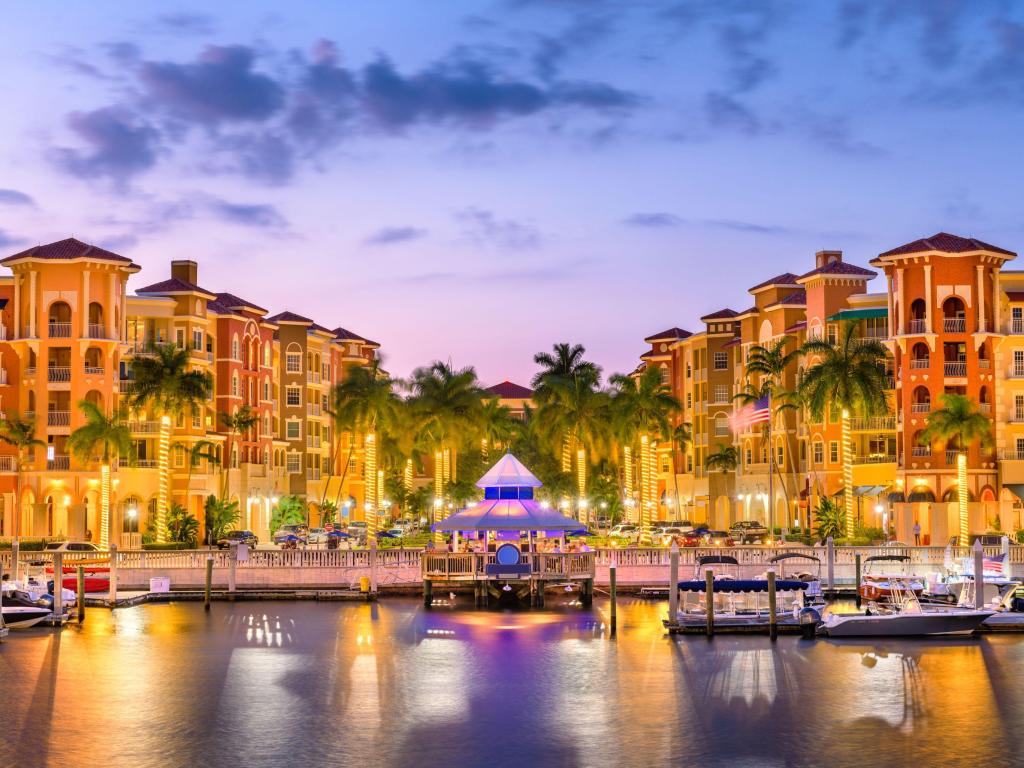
163, 461
848, 473
961, 473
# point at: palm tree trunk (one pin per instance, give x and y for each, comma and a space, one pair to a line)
438, 494
164, 494
645, 490
847, 474
961, 492
105, 504
344, 471
370, 472
566, 454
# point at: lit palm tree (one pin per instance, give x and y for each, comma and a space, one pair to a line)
496, 425
960, 422
237, 423
560, 369
110, 437
164, 383
723, 459
21, 434
199, 451
849, 376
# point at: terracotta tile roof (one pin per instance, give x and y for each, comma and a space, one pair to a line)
231, 301
722, 314
797, 326
839, 268
289, 317
786, 278
175, 285
796, 297
672, 334
748, 311
321, 329
946, 243
734, 342
510, 390
345, 335
69, 248
1015, 295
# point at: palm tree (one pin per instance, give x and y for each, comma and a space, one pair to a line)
220, 515
361, 403
164, 383
959, 422
849, 376
237, 423
560, 368
496, 425
111, 437
200, 450
723, 459
21, 434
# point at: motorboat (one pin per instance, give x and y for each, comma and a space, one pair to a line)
800, 567
880, 586
958, 585
24, 616
904, 616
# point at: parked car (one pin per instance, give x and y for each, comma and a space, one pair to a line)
71, 546
749, 532
986, 539
624, 530
242, 537
691, 538
718, 539
299, 530
602, 523
357, 528
316, 536
397, 531
667, 535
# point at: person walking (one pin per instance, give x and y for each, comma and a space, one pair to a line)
917, 533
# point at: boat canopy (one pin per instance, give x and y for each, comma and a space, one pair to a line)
887, 559
712, 559
793, 556
743, 585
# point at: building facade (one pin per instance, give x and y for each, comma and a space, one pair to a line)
69, 331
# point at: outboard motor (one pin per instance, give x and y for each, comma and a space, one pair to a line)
809, 621
1017, 601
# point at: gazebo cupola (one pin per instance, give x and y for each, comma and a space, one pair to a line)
508, 479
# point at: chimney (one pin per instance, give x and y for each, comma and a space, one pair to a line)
822, 258
186, 270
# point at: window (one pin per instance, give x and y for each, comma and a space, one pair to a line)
721, 361
1020, 447
721, 393
748, 456
819, 452
293, 463
179, 456
721, 426
197, 340
780, 456
197, 418
179, 337
325, 371
1018, 407
293, 362
266, 355
688, 369
292, 430
833, 452
689, 400
234, 384
666, 376
266, 389
293, 396
235, 354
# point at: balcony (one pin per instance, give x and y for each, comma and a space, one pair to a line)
98, 331
58, 463
921, 451
30, 370
127, 386
954, 325
1015, 327
313, 377
144, 427
875, 458
152, 464
59, 330
58, 373
93, 370
874, 424
144, 347
313, 473
919, 325
920, 363
951, 456
201, 354
313, 409
955, 369
1007, 455
920, 407
756, 469
58, 418
313, 441
984, 364
8, 464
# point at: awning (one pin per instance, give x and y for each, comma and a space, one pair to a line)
897, 497
919, 495
870, 490
860, 314
1017, 489
3, 303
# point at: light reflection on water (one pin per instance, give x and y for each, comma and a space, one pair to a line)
389, 684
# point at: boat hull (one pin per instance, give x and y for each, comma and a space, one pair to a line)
926, 624
23, 617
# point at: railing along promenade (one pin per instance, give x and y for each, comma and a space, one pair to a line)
333, 569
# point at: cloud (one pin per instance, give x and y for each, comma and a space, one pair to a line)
483, 228
261, 216
746, 227
392, 235
8, 240
653, 220
582, 33
14, 197
184, 23
725, 112
119, 145
117, 243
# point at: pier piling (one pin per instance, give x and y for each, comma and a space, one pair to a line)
709, 600
673, 583
112, 596
611, 586
979, 575
14, 559
856, 578
428, 593
58, 584
773, 627
232, 566
373, 566
3, 629
208, 583
831, 559
80, 598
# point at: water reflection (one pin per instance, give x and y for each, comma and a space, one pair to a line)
389, 684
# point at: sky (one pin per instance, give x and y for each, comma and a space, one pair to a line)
476, 181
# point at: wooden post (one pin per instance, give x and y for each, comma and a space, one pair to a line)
612, 589
856, 578
673, 584
830, 551
373, 566
112, 597
15, 547
232, 565
773, 628
58, 584
2, 628
80, 598
979, 575
1007, 568
428, 593
709, 600
209, 582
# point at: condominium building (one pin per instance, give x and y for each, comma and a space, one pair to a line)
69, 331
953, 321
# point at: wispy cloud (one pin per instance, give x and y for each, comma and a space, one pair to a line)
258, 215
8, 240
484, 228
393, 235
657, 220
14, 197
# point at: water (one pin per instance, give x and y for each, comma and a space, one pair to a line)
344, 684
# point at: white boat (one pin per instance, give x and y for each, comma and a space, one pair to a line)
23, 616
904, 616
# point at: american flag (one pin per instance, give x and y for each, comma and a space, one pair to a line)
758, 412
995, 565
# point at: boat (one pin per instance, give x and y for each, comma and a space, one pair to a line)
802, 567
958, 584
880, 587
904, 616
24, 616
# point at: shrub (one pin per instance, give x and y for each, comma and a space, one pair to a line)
853, 541
167, 545
1019, 535
26, 545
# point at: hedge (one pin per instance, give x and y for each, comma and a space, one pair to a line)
26, 545
167, 545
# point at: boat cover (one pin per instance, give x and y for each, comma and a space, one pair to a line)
744, 585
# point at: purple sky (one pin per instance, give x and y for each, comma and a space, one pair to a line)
479, 180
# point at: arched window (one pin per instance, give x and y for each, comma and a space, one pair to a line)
131, 511
234, 383
96, 327
59, 323
235, 354
922, 400
954, 315
919, 355
234, 457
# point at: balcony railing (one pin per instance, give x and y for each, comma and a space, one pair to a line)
313, 409
1007, 455
313, 441
921, 451
8, 464
313, 377
93, 370
874, 424
127, 386
152, 464
951, 456
1016, 371
58, 418
756, 469
58, 463
985, 408
98, 331
875, 458
1015, 327
954, 324
313, 473
920, 362
956, 369
144, 427
58, 373
201, 354
920, 407
59, 330
919, 325
984, 364
144, 346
